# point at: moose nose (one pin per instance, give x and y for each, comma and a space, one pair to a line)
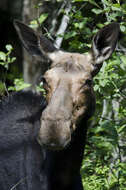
54, 144
54, 135
60, 145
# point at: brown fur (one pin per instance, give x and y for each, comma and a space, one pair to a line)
68, 82
69, 85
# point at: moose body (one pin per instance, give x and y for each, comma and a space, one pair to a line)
61, 127
20, 154
23, 164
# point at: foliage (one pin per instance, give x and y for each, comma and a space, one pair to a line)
37, 22
104, 160
5, 61
5, 58
19, 84
104, 166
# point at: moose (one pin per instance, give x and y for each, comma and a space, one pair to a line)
20, 155
42, 139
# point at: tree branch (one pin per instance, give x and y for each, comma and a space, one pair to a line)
63, 26
106, 14
121, 48
54, 21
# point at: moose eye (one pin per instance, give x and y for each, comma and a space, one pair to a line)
88, 82
43, 80
77, 108
44, 83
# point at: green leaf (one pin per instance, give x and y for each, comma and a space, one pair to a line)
122, 28
13, 59
123, 58
9, 47
122, 128
106, 2
39, 4
103, 82
11, 88
70, 35
2, 88
2, 56
43, 17
116, 7
79, 25
33, 24
97, 11
23, 86
19, 84
96, 87
41, 89
2, 63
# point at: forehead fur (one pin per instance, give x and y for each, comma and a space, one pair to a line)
72, 62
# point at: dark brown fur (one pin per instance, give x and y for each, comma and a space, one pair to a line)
71, 101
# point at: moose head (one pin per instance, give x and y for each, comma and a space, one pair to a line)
67, 81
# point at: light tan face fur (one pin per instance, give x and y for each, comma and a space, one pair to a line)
69, 95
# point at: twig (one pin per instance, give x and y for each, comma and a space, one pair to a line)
120, 48
18, 183
48, 33
54, 21
104, 110
6, 89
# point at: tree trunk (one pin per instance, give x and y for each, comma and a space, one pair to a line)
30, 65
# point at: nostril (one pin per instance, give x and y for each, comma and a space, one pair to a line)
53, 145
61, 144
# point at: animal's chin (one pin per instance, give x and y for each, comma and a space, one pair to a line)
57, 144
53, 146
55, 135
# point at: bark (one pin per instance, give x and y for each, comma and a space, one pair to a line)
63, 26
31, 69
29, 11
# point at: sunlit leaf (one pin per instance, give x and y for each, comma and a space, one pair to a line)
2, 56
97, 11
9, 47
42, 18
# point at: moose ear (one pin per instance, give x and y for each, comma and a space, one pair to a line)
32, 42
104, 42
